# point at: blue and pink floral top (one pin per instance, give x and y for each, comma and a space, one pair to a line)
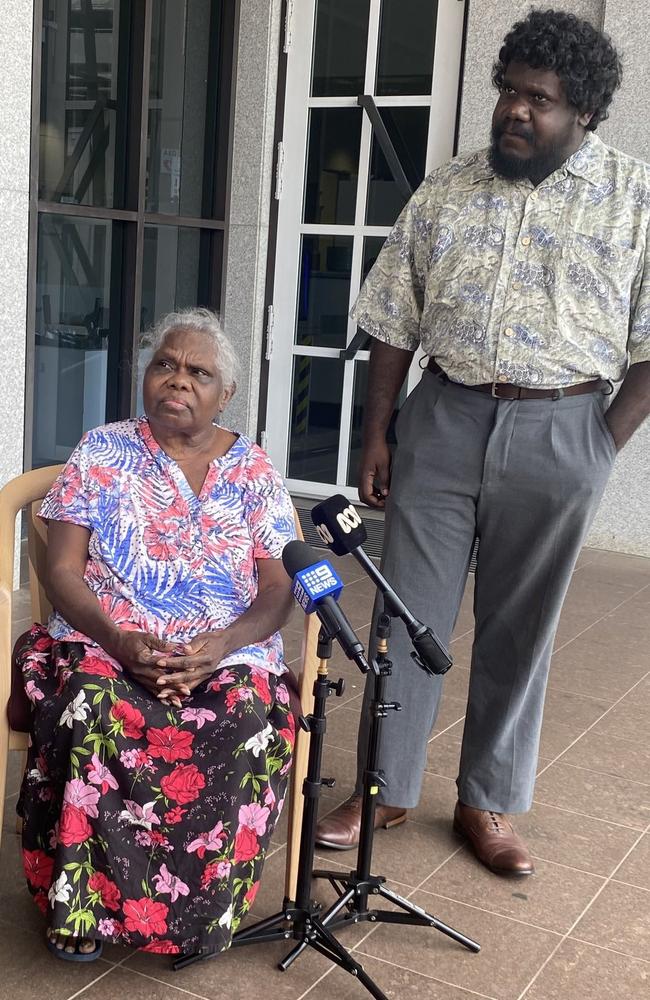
161, 559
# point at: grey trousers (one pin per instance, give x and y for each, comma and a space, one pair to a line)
526, 477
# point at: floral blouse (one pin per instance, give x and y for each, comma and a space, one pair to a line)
161, 559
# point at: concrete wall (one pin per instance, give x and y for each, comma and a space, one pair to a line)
623, 521
16, 25
15, 113
257, 48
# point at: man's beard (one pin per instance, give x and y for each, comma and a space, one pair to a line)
535, 167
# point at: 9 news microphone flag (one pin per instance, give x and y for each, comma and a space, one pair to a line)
340, 526
317, 587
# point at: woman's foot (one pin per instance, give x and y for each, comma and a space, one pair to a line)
73, 948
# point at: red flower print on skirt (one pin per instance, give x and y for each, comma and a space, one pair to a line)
38, 868
183, 785
145, 916
170, 743
246, 845
131, 718
97, 665
74, 827
108, 891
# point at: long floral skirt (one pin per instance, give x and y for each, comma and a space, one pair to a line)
145, 824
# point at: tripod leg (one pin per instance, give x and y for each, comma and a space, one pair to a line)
422, 915
335, 951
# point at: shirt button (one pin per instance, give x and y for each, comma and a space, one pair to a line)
509, 332
502, 378
516, 285
525, 241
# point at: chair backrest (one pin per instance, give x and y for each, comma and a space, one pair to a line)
27, 491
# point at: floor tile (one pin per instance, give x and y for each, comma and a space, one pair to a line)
123, 983
585, 667
395, 982
244, 973
619, 919
492, 972
636, 867
553, 898
343, 727
580, 972
30, 971
573, 709
593, 794
610, 755
625, 721
576, 841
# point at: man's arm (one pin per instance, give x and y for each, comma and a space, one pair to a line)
388, 368
631, 406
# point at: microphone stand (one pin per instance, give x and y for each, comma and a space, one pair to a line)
303, 919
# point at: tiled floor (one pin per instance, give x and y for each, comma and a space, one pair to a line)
577, 930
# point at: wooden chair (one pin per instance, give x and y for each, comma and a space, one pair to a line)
27, 491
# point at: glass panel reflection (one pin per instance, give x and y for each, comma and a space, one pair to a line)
315, 418
408, 129
83, 98
171, 279
332, 165
324, 295
180, 68
406, 43
360, 394
76, 322
340, 44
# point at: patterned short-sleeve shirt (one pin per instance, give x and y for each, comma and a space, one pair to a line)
161, 559
499, 280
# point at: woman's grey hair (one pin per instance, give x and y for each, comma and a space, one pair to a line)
200, 320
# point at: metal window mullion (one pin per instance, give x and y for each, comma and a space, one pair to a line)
345, 428
372, 57
142, 178
286, 278
307, 351
181, 221
307, 488
87, 211
445, 82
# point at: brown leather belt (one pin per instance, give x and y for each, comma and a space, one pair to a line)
505, 390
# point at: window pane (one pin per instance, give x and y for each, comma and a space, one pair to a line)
332, 165
179, 178
175, 273
324, 291
406, 43
371, 247
315, 418
77, 322
83, 97
340, 45
408, 129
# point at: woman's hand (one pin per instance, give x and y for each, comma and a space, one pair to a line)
199, 660
140, 653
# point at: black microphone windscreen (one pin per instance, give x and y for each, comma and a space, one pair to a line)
339, 524
298, 555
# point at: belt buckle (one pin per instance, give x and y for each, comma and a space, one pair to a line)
493, 390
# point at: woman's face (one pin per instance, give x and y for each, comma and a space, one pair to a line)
183, 390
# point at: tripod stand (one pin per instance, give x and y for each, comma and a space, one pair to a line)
303, 920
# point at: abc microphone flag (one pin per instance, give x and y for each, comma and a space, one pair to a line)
339, 525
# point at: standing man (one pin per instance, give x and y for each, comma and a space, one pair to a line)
523, 272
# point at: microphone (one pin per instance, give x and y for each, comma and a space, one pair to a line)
339, 524
317, 587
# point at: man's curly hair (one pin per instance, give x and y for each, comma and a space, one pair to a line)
583, 57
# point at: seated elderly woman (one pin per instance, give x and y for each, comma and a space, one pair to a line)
161, 724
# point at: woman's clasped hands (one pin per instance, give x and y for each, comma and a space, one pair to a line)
168, 670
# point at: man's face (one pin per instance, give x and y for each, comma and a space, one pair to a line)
534, 128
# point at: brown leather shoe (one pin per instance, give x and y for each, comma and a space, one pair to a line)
493, 840
340, 830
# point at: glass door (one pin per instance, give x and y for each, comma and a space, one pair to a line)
337, 202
